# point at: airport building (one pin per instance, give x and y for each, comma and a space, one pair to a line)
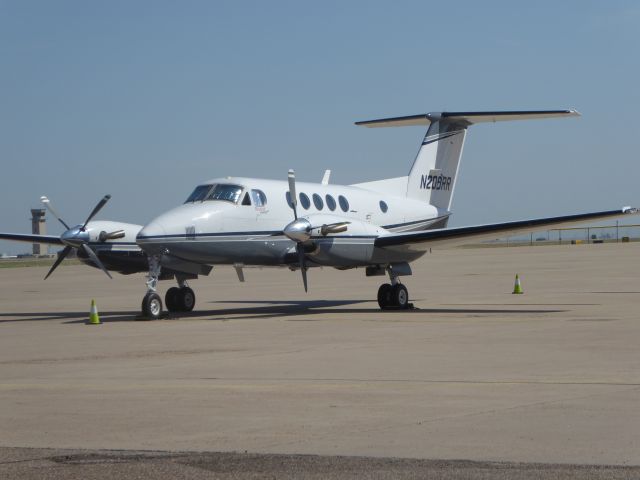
39, 227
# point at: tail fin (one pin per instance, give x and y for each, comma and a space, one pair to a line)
433, 174
434, 171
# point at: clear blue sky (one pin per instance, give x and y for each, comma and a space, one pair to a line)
145, 99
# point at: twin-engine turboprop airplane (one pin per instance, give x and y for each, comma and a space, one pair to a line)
381, 226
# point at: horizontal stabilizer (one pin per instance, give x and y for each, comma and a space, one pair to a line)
450, 237
466, 118
24, 237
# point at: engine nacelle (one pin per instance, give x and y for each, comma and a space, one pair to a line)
115, 245
107, 232
341, 241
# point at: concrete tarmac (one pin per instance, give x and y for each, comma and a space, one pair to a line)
474, 373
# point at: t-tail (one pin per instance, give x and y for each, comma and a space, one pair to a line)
434, 172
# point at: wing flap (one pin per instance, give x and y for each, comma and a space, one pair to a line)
450, 237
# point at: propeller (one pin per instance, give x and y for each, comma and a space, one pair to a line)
292, 192
78, 238
300, 229
303, 267
95, 210
48, 206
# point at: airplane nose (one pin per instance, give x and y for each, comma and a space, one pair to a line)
150, 233
152, 229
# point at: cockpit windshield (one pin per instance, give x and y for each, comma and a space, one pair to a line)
226, 192
199, 194
220, 191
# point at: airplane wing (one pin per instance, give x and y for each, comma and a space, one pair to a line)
422, 241
24, 237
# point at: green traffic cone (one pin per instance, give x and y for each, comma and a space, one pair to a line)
94, 318
517, 288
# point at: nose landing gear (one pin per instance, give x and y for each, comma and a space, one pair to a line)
177, 299
151, 303
151, 306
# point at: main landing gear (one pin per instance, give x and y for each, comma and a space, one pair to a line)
180, 299
393, 295
177, 299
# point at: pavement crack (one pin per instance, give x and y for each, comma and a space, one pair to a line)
415, 381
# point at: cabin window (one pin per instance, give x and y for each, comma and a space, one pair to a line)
331, 202
344, 204
259, 198
198, 194
317, 201
246, 200
383, 206
304, 201
225, 192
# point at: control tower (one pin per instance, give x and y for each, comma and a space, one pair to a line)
39, 227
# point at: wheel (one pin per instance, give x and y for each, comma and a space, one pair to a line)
186, 299
152, 306
400, 296
384, 295
171, 299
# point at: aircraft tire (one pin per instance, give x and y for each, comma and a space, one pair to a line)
171, 299
400, 296
186, 299
385, 298
152, 306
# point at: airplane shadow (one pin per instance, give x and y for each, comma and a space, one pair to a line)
265, 309
47, 316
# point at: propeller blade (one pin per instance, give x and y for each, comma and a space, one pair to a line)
59, 260
95, 258
303, 268
97, 208
292, 192
48, 206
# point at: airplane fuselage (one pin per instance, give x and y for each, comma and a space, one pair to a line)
248, 227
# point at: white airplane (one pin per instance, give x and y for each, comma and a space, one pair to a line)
382, 225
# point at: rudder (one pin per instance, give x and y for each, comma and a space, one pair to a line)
433, 174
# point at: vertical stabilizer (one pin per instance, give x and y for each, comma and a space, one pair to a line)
433, 174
